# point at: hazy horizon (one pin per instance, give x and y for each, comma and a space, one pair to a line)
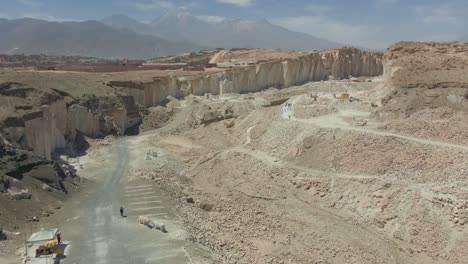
373, 24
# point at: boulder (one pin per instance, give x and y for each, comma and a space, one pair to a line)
46, 187
48, 174
19, 194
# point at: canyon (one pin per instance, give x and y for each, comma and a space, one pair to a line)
247, 155
59, 120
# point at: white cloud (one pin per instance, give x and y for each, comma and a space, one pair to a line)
46, 17
29, 3
212, 19
438, 15
151, 5
241, 3
440, 19
327, 28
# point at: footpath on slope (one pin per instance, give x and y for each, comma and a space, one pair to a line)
336, 121
321, 215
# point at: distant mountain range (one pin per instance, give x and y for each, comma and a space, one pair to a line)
89, 38
120, 36
222, 33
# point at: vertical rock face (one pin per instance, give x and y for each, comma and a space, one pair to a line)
166, 86
244, 80
270, 74
342, 63
304, 69
204, 84
47, 133
55, 125
278, 73
114, 114
83, 120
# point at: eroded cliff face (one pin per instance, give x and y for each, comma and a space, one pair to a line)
153, 92
274, 72
426, 65
279, 74
254, 78
425, 75
112, 114
45, 134
52, 121
45, 121
346, 62
82, 120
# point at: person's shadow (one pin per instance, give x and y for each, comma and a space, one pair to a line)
62, 247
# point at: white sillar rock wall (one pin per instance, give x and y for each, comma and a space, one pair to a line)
46, 134
204, 84
279, 74
150, 93
342, 63
81, 119
59, 124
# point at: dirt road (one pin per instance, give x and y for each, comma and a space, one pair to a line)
99, 234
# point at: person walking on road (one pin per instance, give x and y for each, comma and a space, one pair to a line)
121, 211
59, 237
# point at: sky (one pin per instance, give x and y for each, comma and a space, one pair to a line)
372, 24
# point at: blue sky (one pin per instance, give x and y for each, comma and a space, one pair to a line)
367, 23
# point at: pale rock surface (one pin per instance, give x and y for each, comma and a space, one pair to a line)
346, 62
426, 65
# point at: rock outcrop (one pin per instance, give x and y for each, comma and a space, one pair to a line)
52, 120
426, 65
425, 75
114, 114
16, 164
277, 73
45, 134
151, 93
346, 62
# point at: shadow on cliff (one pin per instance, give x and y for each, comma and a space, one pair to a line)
134, 130
79, 147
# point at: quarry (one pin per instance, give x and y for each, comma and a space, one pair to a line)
243, 155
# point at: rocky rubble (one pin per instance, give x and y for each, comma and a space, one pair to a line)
426, 65
157, 117
16, 165
271, 190
443, 124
